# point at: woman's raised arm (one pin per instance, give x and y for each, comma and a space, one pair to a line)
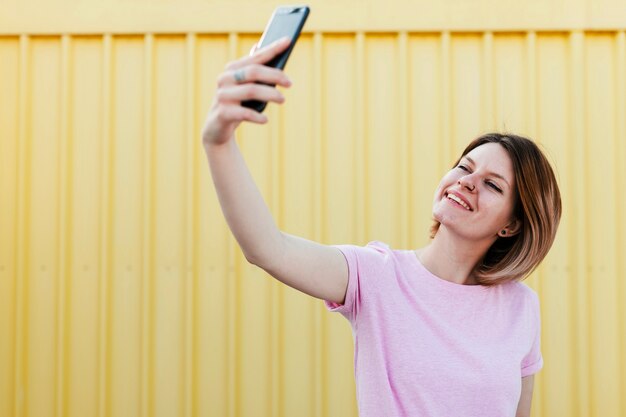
318, 270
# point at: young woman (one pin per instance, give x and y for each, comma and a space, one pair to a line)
445, 330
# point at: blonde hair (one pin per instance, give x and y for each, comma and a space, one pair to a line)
537, 207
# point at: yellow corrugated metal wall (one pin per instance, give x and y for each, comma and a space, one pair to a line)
122, 292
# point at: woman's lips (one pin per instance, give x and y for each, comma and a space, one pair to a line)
458, 201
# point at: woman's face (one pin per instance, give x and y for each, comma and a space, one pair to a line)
476, 198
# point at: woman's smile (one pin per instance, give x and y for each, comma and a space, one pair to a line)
458, 201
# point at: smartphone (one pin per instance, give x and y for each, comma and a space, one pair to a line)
286, 21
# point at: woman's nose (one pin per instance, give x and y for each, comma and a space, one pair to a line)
466, 182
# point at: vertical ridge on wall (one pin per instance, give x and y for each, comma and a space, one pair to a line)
531, 84
383, 143
577, 129
21, 260
147, 359
9, 115
127, 132
467, 103
600, 98
361, 141
426, 143
404, 109
445, 152
43, 228
105, 241
168, 187
213, 255
620, 185
189, 266
64, 214
509, 84
88, 210
488, 111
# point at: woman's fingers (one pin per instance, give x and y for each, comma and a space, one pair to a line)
261, 56
245, 79
235, 114
253, 73
251, 91
251, 115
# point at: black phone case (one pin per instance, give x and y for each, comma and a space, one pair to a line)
281, 60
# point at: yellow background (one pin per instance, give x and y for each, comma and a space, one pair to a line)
122, 292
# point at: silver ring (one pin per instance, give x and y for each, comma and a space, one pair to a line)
240, 76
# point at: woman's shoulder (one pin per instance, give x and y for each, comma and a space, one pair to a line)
373, 253
523, 290
384, 247
522, 295
387, 251
379, 245
377, 248
379, 252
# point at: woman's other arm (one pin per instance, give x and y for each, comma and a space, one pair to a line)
523, 407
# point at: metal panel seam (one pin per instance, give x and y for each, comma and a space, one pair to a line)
147, 339
63, 253
105, 227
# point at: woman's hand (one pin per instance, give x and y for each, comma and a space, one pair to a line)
237, 84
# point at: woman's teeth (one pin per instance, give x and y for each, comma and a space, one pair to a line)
458, 200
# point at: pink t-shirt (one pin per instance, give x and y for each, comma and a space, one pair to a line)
427, 347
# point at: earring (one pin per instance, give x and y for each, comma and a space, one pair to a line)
503, 233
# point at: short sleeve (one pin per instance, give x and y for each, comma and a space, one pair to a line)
365, 266
533, 361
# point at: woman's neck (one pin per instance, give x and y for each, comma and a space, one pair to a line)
453, 258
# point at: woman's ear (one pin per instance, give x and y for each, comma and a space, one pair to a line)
511, 229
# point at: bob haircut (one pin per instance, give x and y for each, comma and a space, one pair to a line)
537, 206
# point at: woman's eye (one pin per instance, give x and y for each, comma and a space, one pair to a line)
463, 167
495, 187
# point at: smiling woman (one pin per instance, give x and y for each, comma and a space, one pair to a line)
442, 331
509, 169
